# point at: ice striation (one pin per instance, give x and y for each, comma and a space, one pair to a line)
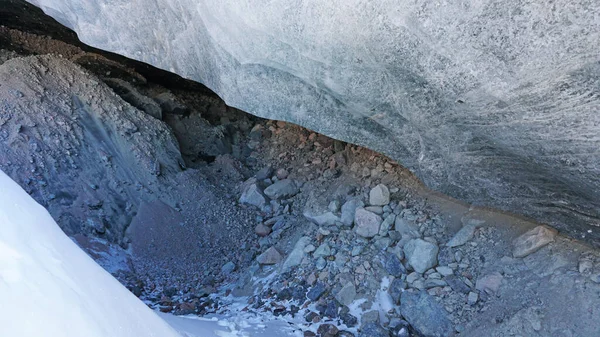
492, 102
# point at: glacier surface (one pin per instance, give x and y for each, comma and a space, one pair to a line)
494, 102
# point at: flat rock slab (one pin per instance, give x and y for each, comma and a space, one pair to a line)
347, 294
533, 240
269, 257
296, 255
325, 219
462, 236
425, 315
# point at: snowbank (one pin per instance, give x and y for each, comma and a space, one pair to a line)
49, 287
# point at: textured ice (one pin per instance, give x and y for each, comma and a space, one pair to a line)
490, 101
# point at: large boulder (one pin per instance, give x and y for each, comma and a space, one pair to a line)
491, 102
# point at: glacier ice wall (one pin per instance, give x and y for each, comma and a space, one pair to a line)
495, 102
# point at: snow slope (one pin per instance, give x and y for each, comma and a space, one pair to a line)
49, 287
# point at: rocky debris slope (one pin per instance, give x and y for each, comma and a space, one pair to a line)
93, 156
493, 103
101, 165
376, 257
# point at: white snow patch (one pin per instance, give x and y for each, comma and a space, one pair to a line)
50, 287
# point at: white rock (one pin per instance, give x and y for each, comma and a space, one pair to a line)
252, 195
421, 255
379, 195
366, 223
489, 283
472, 298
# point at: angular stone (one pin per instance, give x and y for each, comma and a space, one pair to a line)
462, 236
412, 277
252, 195
379, 195
323, 251
432, 283
347, 294
393, 265
264, 173
533, 240
421, 255
321, 263
297, 254
327, 330
472, 298
316, 292
228, 268
366, 223
407, 228
386, 225
349, 210
395, 290
444, 271
269, 257
282, 189
325, 219
425, 315
489, 283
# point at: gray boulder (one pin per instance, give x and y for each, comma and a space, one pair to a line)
297, 254
252, 195
421, 255
366, 224
282, 189
349, 210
